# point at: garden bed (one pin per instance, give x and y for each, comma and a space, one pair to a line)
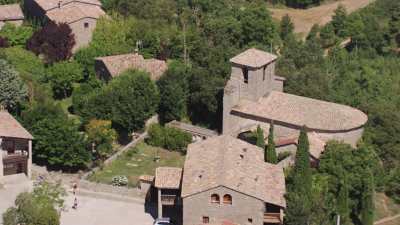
137, 161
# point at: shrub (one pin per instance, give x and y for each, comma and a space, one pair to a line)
120, 180
168, 137
16, 36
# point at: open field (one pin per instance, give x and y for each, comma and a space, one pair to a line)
138, 161
305, 19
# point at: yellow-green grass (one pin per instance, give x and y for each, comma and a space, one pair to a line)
138, 161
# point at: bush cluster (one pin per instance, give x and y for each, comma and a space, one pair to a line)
168, 137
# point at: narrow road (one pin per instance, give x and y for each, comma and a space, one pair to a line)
387, 219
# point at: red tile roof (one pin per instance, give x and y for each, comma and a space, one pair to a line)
11, 12
10, 127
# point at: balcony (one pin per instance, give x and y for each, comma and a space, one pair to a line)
274, 218
169, 199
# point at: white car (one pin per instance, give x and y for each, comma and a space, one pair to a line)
163, 221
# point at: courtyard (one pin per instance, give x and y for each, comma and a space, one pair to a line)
98, 211
91, 210
138, 161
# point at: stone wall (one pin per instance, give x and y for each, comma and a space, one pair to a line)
83, 30
242, 209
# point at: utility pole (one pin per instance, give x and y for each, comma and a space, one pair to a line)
338, 220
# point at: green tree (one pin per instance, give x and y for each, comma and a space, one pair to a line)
174, 93
40, 207
394, 23
343, 202
270, 152
128, 101
58, 142
328, 36
393, 184
286, 27
16, 36
299, 196
101, 135
260, 138
61, 77
339, 21
13, 90
168, 137
367, 202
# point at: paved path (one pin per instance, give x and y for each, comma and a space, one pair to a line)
97, 211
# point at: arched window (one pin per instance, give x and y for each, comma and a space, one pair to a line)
215, 198
228, 199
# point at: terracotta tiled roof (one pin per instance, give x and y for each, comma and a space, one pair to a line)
11, 12
192, 129
148, 178
300, 111
9, 127
117, 64
253, 58
235, 164
51, 4
73, 12
168, 177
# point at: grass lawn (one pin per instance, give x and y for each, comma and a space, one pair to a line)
138, 161
385, 207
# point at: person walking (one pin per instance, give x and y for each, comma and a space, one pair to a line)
75, 206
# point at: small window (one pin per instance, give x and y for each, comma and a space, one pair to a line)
206, 219
245, 75
215, 198
86, 25
228, 199
265, 67
250, 220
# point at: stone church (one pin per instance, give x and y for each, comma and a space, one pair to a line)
254, 96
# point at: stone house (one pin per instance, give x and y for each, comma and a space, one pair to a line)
254, 96
11, 14
15, 147
224, 181
109, 67
80, 15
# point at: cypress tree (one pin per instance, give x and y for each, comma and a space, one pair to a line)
367, 202
270, 153
260, 138
343, 200
299, 197
302, 170
286, 27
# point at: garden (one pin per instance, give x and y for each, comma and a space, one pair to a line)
142, 159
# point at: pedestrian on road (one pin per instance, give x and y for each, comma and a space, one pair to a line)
75, 206
74, 187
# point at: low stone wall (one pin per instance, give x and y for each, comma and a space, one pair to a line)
105, 188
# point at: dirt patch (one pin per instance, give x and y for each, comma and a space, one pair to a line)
305, 19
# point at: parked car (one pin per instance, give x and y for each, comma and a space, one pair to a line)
163, 221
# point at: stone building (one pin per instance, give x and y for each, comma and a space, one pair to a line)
15, 147
225, 181
254, 96
109, 67
80, 15
11, 14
